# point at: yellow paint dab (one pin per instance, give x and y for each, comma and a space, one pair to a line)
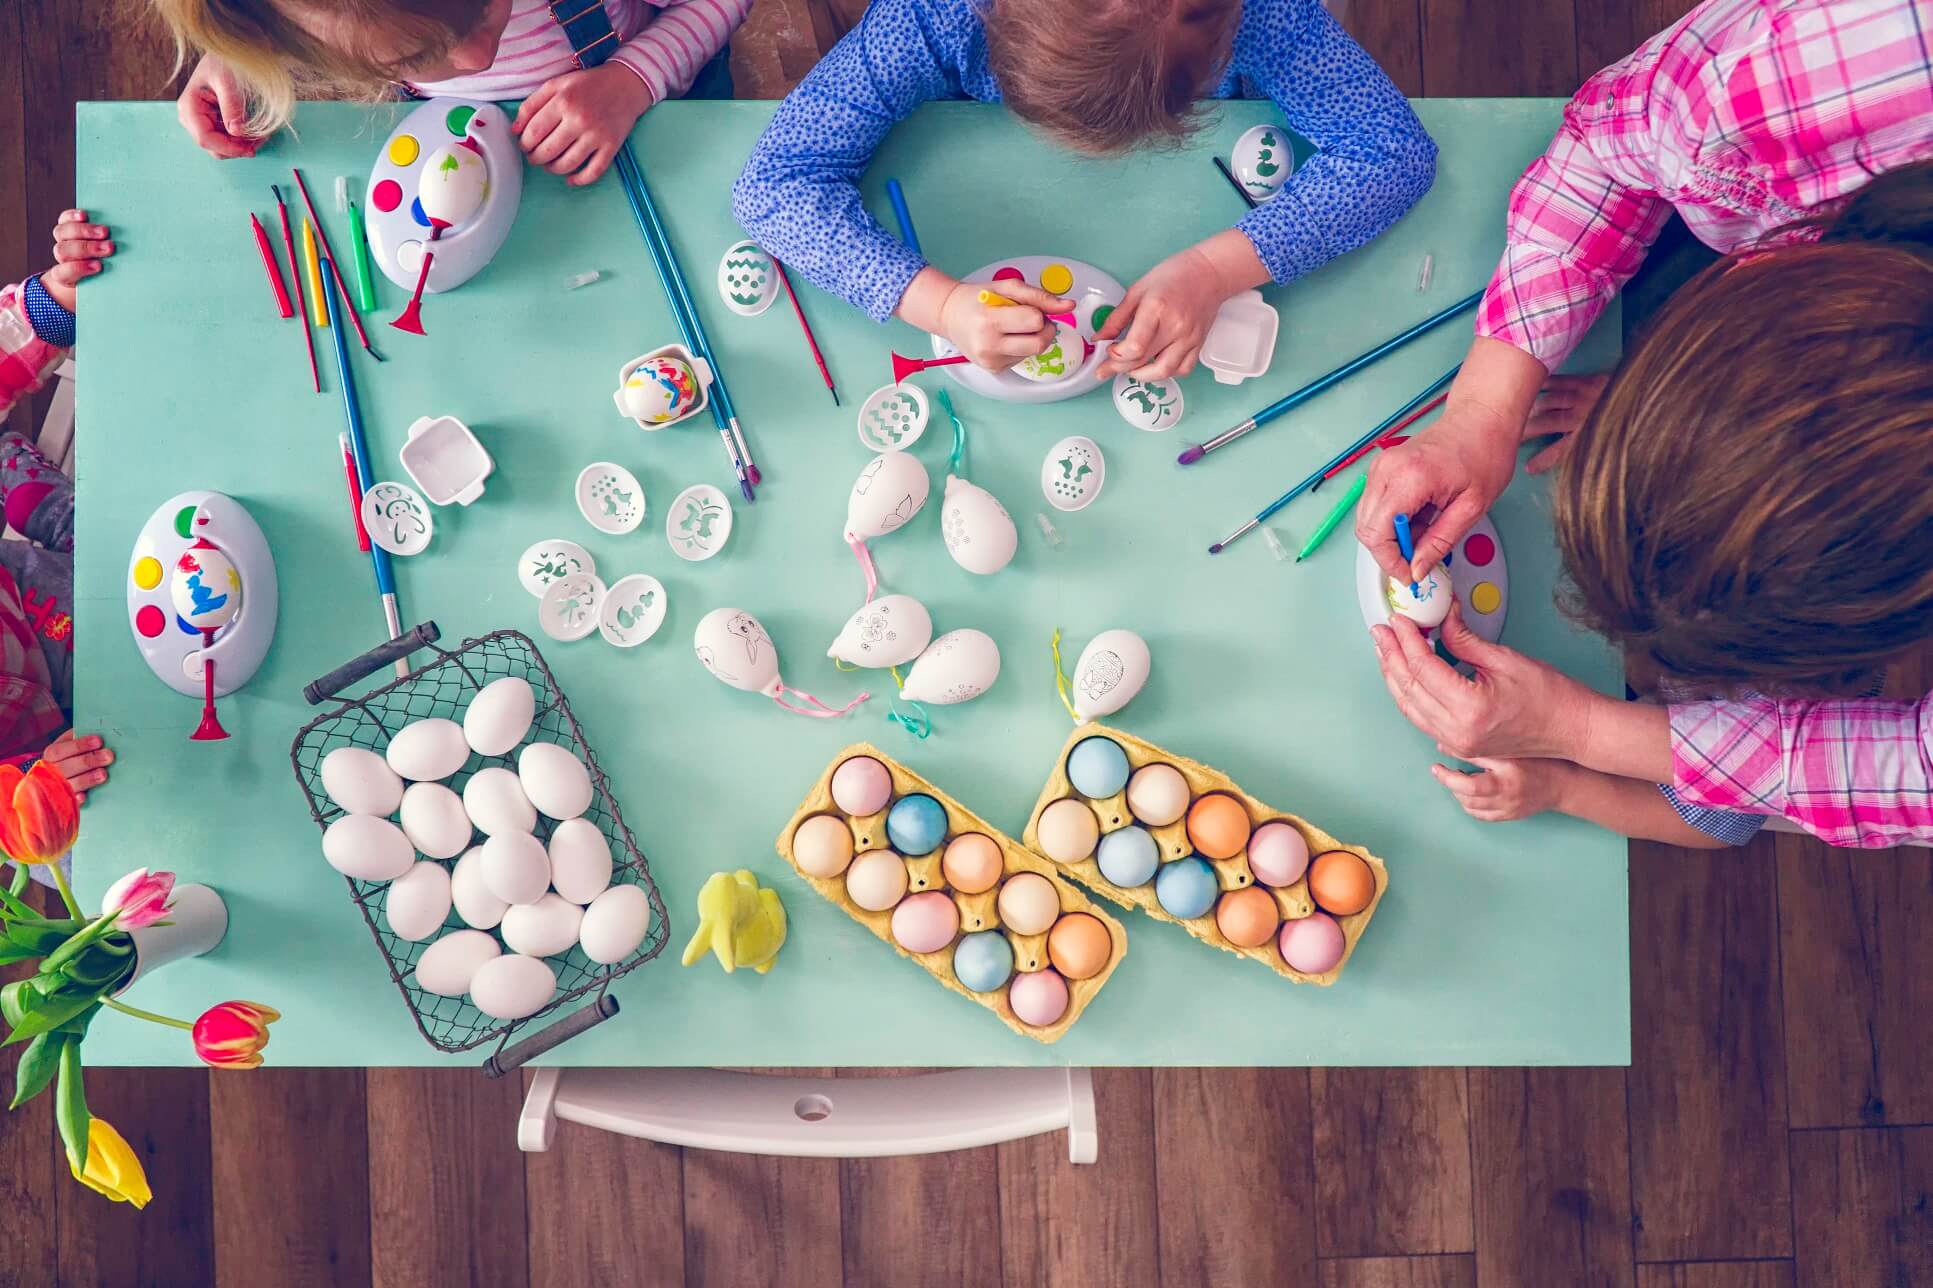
147, 572
1485, 597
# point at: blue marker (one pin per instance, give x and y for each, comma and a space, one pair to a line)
1403, 541
902, 216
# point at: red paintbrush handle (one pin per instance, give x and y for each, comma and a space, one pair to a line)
269, 266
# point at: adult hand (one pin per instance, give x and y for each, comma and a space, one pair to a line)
82, 760
574, 124
1458, 467
1561, 409
996, 336
1507, 789
1160, 324
213, 108
79, 248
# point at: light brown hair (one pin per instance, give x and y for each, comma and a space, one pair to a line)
1750, 505
1109, 75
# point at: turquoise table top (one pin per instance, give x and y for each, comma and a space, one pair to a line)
1495, 945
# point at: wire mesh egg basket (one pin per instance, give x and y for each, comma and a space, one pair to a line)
443, 688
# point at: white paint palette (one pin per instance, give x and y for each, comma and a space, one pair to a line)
1479, 577
172, 649
1095, 295
399, 231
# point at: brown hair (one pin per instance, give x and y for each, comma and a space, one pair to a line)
1750, 505
277, 59
1106, 76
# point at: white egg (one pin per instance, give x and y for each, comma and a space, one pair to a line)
475, 902
615, 923
978, 530
452, 183
1428, 606
580, 860
428, 750
1072, 473
956, 667
448, 965
434, 820
1111, 670
1062, 359
515, 867
367, 848
735, 648
361, 782
889, 491
495, 801
544, 928
417, 902
886, 632
554, 779
512, 986
499, 715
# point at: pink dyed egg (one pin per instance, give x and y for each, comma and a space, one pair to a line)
1313, 944
1039, 998
1277, 854
925, 923
861, 786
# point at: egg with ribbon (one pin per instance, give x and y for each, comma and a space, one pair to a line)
735, 648
886, 495
205, 589
1111, 670
890, 630
958, 666
979, 533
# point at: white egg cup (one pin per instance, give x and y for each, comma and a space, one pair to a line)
700, 372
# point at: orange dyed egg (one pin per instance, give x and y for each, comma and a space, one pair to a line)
1341, 882
971, 863
1247, 917
1079, 945
1218, 826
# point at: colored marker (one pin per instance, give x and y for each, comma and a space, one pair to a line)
295, 278
365, 280
1403, 542
1342, 511
313, 269
897, 195
355, 493
282, 304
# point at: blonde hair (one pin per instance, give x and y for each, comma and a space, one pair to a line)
278, 60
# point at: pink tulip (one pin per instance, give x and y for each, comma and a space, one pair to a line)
142, 898
231, 1035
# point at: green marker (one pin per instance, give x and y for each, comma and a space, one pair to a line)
1336, 516
365, 284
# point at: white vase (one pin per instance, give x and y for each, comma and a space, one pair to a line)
197, 922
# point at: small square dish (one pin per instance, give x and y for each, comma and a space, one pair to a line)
1241, 343
445, 460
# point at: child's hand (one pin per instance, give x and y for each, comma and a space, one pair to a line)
1507, 789
214, 110
1159, 326
574, 124
79, 248
996, 336
82, 761
1561, 410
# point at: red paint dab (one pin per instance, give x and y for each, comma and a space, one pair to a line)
388, 195
150, 621
1009, 274
1479, 550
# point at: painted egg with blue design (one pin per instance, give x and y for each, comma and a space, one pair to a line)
205, 588
659, 390
748, 279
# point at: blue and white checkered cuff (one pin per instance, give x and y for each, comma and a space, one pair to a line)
52, 323
1725, 825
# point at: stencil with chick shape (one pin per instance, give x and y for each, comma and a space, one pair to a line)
632, 611
396, 518
699, 522
1072, 475
1262, 160
610, 498
746, 279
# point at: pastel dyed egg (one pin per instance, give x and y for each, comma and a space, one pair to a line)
983, 961
499, 715
495, 801
417, 902
361, 782
1068, 830
876, 880
1079, 945
972, 864
367, 848
1218, 825
1028, 903
1341, 882
515, 867
580, 860
544, 928
822, 845
554, 779
861, 786
615, 924
512, 986
1277, 854
1038, 998
1157, 795
428, 750
475, 902
1186, 888
916, 825
1247, 917
1097, 767
448, 966
925, 922
1312, 944
1128, 857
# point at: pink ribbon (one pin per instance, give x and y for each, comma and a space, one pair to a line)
822, 711
865, 558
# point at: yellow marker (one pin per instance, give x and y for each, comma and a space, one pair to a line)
318, 305
994, 300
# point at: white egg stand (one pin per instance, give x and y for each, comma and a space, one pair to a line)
1091, 290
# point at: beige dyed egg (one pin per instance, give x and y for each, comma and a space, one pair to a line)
434, 820
499, 715
474, 900
495, 801
615, 924
515, 867
367, 848
580, 860
876, 880
447, 966
428, 750
417, 902
1157, 795
1068, 831
512, 986
1028, 903
554, 779
542, 929
361, 782
822, 845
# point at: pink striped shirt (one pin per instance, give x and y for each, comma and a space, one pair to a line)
665, 44
1741, 116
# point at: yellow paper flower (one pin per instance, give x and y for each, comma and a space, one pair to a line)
112, 1167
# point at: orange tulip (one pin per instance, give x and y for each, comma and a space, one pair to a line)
39, 814
232, 1034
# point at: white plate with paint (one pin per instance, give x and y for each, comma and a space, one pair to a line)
632, 611
699, 522
1095, 295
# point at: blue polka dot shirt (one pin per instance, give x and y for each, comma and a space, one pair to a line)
798, 198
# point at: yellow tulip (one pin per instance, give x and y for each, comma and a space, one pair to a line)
112, 1167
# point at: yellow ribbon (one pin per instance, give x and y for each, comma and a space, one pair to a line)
1060, 680
840, 664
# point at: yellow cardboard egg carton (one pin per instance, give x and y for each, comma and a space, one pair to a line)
977, 911
1293, 901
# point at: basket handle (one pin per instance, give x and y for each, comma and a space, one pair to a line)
518, 1054
321, 690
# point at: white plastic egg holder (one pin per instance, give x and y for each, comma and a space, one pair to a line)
701, 376
1240, 343
1479, 576
445, 460
399, 233
173, 651
1092, 291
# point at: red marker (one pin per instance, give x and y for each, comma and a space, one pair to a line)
282, 304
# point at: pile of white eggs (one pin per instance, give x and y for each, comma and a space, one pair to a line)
403, 824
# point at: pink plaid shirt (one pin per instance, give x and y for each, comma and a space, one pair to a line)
1741, 116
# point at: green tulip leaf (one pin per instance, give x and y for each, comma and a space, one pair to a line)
37, 1067
70, 1105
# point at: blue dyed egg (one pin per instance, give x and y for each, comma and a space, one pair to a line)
1097, 767
1128, 857
983, 961
1187, 887
916, 825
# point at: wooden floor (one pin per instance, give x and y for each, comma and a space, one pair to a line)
1775, 1127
